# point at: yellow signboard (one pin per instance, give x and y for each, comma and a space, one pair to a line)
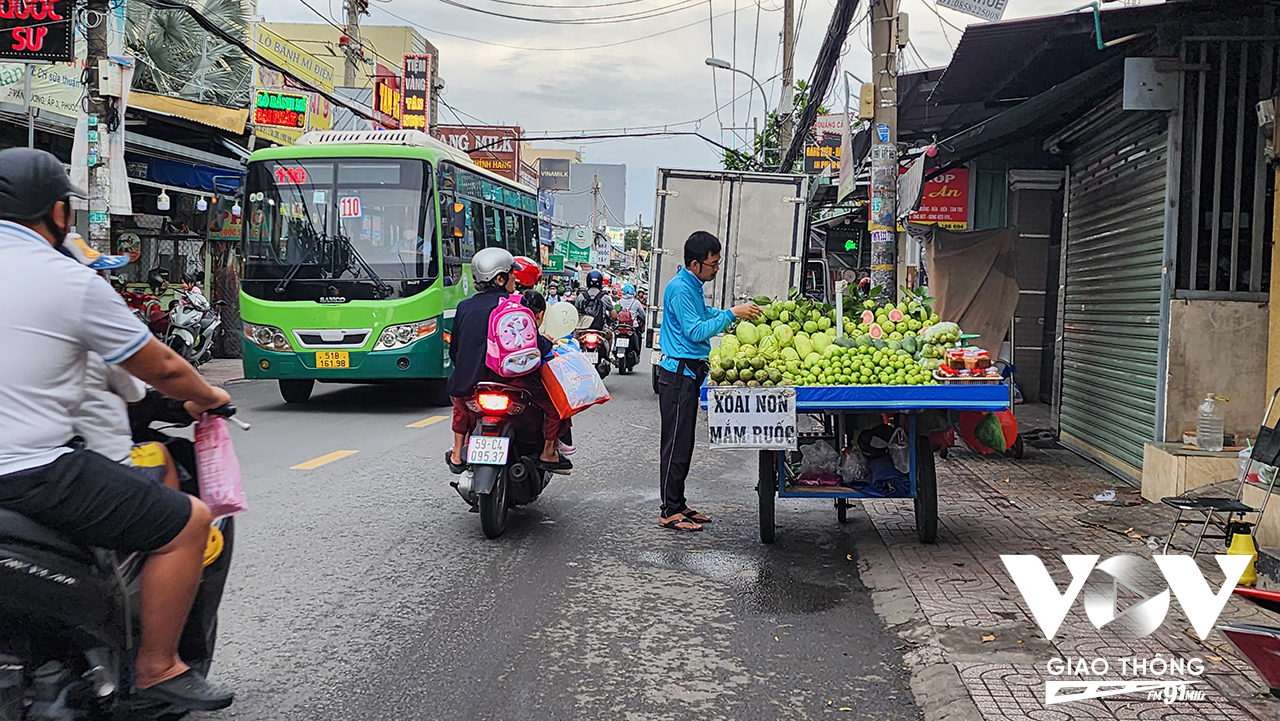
305, 66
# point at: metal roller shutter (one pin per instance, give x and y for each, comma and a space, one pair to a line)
1112, 293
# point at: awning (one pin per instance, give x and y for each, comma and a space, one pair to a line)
232, 120
185, 175
1045, 112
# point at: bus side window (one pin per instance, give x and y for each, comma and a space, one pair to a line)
531, 236
515, 239
492, 227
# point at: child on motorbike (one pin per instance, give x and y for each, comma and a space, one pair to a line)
492, 268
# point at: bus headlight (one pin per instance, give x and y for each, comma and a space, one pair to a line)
401, 335
266, 336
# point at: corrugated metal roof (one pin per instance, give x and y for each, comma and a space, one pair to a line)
1018, 59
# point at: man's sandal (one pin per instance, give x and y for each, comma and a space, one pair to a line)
680, 523
694, 516
455, 468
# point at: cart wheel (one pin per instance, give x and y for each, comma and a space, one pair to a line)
767, 485
926, 500
1017, 449
842, 510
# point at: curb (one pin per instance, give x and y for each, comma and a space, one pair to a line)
935, 683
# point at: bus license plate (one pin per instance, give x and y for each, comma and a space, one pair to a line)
488, 450
332, 359
592, 357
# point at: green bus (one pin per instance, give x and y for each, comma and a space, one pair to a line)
356, 251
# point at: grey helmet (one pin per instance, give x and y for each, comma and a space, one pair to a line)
490, 263
31, 181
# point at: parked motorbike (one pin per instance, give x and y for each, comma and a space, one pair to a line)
626, 348
192, 325
596, 344
69, 614
502, 453
147, 308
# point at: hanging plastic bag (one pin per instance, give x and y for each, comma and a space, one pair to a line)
853, 468
217, 468
900, 450
573, 383
818, 459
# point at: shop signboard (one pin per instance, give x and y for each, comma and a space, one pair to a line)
492, 147
576, 246
555, 263
553, 174
37, 30
818, 158
286, 110
415, 84
528, 175
387, 98
318, 111
945, 201
827, 125
985, 9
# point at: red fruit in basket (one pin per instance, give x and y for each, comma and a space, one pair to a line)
875, 331
896, 315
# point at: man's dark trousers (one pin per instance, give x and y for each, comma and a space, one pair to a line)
678, 405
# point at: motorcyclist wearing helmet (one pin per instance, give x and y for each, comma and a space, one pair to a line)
594, 303
493, 270
527, 273
630, 304
55, 313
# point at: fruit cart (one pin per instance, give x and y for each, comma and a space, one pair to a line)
836, 407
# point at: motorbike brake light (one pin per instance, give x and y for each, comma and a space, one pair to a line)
591, 338
493, 402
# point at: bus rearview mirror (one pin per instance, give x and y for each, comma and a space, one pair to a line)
457, 220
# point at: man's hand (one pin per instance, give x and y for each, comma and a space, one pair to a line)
219, 398
749, 311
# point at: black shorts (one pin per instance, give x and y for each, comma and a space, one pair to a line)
97, 502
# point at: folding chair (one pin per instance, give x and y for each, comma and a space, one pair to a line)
1222, 512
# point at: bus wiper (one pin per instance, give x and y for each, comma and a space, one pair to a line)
304, 233
383, 288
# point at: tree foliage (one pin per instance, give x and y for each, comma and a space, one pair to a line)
177, 58
766, 153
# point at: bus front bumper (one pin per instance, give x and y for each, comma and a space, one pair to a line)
424, 359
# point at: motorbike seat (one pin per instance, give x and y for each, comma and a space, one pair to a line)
17, 528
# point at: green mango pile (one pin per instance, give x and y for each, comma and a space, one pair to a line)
794, 343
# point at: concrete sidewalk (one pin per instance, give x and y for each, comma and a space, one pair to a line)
977, 653
221, 371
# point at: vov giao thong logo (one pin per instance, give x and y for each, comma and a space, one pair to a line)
1102, 585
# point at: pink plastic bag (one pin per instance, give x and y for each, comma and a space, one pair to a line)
218, 469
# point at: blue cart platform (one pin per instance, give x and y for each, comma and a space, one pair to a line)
834, 404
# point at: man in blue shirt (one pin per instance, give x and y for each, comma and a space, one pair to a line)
688, 326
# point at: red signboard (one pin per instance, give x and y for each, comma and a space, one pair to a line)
36, 30
945, 201
495, 148
387, 98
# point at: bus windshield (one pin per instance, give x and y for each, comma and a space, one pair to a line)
339, 229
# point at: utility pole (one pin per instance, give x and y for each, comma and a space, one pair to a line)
786, 110
354, 49
595, 208
882, 213
100, 111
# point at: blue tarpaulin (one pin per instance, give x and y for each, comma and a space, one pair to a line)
185, 175
994, 397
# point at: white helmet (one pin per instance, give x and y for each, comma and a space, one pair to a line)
490, 263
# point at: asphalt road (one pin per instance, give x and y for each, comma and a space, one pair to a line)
363, 589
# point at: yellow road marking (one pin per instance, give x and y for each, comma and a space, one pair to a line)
326, 458
426, 422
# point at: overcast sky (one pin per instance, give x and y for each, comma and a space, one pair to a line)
657, 81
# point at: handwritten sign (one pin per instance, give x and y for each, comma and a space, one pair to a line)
746, 417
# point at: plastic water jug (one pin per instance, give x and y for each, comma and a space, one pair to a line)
1209, 423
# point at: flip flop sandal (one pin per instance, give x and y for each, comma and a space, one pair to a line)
692, 515
561, 465
674, 524
457, 470
188, 690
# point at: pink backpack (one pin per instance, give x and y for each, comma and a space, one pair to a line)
513, 339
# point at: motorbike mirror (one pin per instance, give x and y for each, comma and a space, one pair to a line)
173, 304
457, 219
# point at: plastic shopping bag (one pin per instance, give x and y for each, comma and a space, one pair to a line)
853, 468
900, 450
573, 383
217, 468
818, 459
